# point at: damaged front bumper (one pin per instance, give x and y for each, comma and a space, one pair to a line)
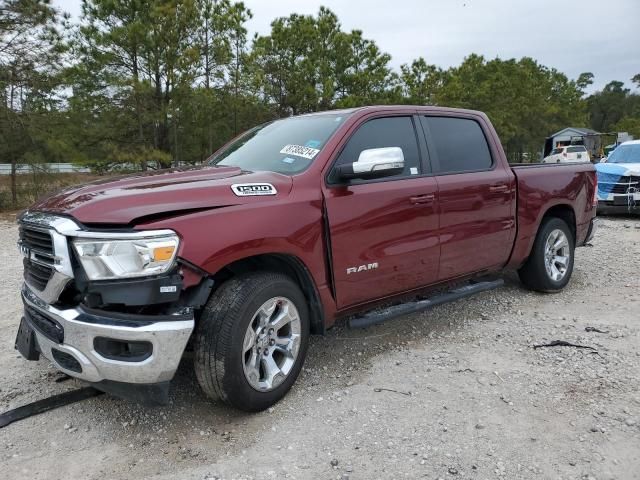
129, 355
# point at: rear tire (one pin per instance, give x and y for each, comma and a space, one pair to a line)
251, 320
550, 265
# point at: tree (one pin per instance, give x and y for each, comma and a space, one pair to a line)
143, 52
630, 124
607, 107
286, 72
161, 82
31, 50
112, 44
367, 78
222, 40
308, 63
421, 82
584, 80
525, 100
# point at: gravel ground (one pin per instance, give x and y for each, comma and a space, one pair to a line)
457, 392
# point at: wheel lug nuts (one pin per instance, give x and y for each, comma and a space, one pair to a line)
271, 331
272, 342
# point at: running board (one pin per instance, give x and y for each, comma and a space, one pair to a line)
378, 316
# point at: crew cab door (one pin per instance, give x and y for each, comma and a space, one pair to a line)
476, 195
383, 233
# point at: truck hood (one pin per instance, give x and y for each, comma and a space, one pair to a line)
609, 174
621, 169
129, 199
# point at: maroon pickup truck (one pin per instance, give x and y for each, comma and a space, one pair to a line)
289, 227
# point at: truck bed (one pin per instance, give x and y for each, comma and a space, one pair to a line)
543, 186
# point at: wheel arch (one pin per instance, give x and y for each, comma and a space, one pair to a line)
564, 212
525, 239
287, 264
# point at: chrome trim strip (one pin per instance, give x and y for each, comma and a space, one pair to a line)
34, 253
54, 287
67, 227
142, 234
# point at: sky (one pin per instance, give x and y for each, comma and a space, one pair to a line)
573, 36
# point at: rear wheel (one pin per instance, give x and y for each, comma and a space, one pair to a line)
251, 340
550, 265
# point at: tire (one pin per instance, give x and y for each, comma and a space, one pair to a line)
534, 274
222, 337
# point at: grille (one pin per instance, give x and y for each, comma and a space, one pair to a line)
625, 183
48, 327
39, 241
38, 265
37, 275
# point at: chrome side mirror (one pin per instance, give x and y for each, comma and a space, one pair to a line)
374, 163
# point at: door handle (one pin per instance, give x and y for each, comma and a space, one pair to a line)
418, 199
498, 188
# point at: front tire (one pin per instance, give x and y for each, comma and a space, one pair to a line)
251, 340
550, 265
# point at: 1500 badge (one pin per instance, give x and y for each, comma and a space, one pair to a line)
253, 189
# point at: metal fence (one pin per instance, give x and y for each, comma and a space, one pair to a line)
5, 168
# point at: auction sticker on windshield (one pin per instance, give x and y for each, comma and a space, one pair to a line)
300, 151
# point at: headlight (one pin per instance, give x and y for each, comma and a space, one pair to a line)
104, 258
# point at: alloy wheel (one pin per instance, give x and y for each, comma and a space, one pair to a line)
271, 344
557, 255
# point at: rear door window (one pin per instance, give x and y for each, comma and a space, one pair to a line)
459, 144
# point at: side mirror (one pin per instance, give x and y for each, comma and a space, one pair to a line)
374, 163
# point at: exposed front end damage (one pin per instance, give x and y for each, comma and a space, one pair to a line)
123, 335
619, 188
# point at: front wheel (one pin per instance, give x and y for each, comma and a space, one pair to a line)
251, 340
550, 265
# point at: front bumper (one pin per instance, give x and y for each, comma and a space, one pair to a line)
73, 332
605, 207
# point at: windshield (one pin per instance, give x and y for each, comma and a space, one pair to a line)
556, 151
625, 154
284, 146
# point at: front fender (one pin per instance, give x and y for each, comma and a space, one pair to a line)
216, 238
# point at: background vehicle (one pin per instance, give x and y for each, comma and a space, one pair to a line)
571, 153
294, 224
619, 179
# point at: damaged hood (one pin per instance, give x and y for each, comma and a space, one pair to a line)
126, 199
610, 174
620, 169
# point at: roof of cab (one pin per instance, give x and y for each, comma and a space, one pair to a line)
377, 108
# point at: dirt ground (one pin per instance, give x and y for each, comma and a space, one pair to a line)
457, 392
